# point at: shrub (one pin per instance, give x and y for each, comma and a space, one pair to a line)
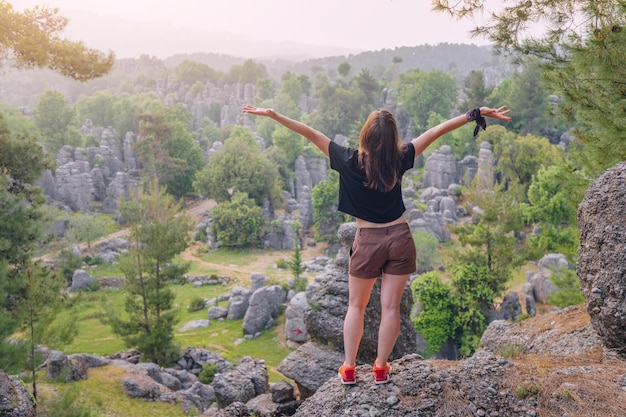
196, 304
207, 373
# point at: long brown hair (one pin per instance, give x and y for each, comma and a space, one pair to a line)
380, 149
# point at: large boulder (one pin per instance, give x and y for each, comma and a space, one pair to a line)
601, 265
248, 380
263, 309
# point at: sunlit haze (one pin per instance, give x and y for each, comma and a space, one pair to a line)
132, 27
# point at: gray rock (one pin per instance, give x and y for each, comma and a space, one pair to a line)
601, 265
60, 367
248, 380
263, 309
310, 366
238, 303
141, 387
440, 169
81, 280
215, 313
194, 324
15, 400
295, 328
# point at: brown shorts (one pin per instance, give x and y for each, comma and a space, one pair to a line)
386, 249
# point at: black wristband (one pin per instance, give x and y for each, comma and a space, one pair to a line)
474, 115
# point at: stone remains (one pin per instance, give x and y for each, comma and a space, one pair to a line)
295, 328
440, 169
60, 367
263, 309
238, 303
310, 366
540, 282
81, 280
601, 265
248, 380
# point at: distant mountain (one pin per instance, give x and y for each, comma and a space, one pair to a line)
131, 39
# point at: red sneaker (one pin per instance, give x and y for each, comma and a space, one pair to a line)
381, 373
347, 375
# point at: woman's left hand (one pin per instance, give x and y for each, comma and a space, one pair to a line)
499, 113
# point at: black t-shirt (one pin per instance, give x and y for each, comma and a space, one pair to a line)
355, 198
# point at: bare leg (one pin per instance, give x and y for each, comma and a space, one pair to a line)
360, 290
392, 287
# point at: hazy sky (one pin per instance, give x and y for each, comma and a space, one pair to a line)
362, 24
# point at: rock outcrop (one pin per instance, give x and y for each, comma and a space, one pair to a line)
601, 263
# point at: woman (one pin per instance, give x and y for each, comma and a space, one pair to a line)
370, 190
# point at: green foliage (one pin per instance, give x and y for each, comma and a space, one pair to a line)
454, 312
158, 232
68, 262
554, 239
196, 304
248, 73
426, 246
475, 90
568, 285
291, 143
36, 313
167, 150
550, 198
422, 93
87, 227
520, 157
207, 373
239, 167
237, 223
22, 161
190, 72
31, 38
57, 121
488, 237
296, 262
340, 111
326, 217
435, 321
99, 108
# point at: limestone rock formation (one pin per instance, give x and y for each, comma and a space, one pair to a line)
601, 263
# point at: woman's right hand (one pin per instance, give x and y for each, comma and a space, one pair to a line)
258, 111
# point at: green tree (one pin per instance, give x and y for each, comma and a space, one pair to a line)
22, 162
57, 121
32, 38
291, 143
435, 320
99, 108
159, 231
190, 72
426, 245
87, 227
326, 217
247, 73
581, 53
520, 157
475, 90
38, 310
238, 222
422, 93
239, 167
489, 239
167, 150
371, 88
